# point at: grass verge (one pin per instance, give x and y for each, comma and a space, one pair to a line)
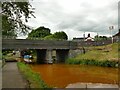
33, 78
106, 55
105, 63
106, 52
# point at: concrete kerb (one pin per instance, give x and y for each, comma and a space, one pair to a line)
92, 85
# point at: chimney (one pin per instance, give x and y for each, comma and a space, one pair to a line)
89, 35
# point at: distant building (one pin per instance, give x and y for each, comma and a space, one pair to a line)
89, 38
116, 37
79, 39
84, 38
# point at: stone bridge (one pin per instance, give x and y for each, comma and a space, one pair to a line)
47, 49
44, 48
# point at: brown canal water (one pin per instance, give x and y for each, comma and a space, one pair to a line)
60, 75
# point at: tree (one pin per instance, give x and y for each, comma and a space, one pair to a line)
60, 35
49, 37
13, 14
98, 38
57, 36
7, 28
40, 33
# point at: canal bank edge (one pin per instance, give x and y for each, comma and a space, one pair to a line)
106, 56
92, 85
33, 79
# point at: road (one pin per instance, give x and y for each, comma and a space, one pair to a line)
11, 77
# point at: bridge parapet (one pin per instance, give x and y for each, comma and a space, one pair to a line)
37, 44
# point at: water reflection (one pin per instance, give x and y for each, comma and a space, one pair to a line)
60, 75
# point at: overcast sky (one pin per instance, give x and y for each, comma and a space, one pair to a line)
76, 16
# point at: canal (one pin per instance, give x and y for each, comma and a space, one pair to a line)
60, 75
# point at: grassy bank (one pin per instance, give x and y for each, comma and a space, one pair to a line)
33, 78
105, 63
98, 55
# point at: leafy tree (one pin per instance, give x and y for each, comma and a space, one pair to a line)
60, 35
7, 28
57, 36
49, 37
14, 16
40, 33
98, 38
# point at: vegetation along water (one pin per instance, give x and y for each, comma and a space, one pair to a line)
34, 79
106, 55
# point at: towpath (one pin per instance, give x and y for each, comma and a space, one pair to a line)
11, 77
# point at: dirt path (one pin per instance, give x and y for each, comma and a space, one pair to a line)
11, 77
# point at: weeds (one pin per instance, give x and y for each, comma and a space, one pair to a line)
105, 63
33, 78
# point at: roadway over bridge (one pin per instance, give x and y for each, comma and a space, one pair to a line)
37, 44
44, 48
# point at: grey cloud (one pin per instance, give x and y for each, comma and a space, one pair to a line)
87, 18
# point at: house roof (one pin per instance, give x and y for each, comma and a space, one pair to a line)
118, 34
79, 38
89, 39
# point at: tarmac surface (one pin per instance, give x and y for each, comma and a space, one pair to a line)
0, 74
11, 77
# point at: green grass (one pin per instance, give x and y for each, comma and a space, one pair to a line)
107, 52
105, 63
98, 55
34, 79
